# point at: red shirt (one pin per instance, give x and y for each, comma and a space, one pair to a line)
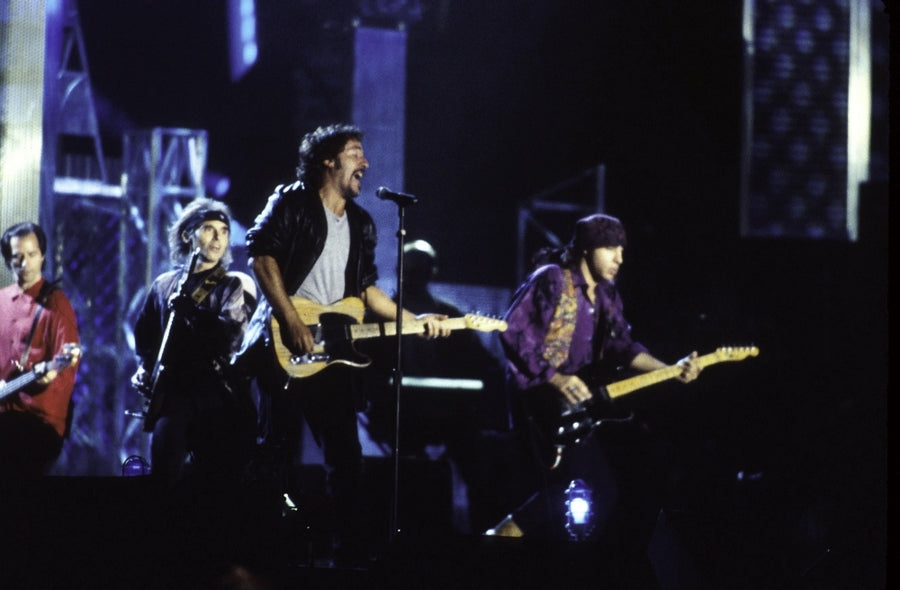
56, 326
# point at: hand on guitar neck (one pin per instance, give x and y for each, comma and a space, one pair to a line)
582, 408
44, 372
47, 377
575, 391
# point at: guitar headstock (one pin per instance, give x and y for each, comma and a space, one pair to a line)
70, 354
484, 323
736, 353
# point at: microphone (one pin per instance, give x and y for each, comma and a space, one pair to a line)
401, 199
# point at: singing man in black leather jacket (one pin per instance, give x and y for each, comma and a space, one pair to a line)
312, 241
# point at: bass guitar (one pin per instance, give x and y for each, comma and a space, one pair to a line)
335, 327
68, 357
566, 424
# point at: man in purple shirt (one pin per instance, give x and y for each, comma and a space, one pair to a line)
600, 336
566, 335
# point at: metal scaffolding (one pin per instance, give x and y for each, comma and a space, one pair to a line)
109, 241
111, 247
554, 210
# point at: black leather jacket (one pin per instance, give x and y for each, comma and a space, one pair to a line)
292, 230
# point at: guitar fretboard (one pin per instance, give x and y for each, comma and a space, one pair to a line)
646, 379
16, 384
360, 331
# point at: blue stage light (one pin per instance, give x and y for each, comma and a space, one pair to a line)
579, 510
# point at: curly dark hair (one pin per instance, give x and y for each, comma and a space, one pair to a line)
21, 230
325, 143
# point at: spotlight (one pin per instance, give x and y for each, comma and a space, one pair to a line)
579, 512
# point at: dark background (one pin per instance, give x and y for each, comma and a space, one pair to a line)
508, 98
503, 102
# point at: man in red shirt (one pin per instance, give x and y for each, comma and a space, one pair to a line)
38, 344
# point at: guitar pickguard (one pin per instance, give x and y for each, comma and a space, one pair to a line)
333, 345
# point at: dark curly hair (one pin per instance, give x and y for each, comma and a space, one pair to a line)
325, 143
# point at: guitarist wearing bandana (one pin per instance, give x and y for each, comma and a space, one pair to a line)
199, 411
38, 323
566, 331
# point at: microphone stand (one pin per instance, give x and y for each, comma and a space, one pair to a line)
398, 371
155, 398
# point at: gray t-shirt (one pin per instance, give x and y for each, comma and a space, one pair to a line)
325, 282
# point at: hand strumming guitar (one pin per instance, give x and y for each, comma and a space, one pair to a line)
571, 387
296, 335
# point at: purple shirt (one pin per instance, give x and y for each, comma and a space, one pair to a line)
604, 341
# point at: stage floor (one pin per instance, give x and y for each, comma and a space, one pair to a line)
103, 533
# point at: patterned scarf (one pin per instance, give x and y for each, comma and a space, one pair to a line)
562, 326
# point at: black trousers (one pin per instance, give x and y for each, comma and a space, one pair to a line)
206, 436
328, 401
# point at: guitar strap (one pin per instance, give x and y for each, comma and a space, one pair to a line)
209, 283
41, 299
557, 343
559, 334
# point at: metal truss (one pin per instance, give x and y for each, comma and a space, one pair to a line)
109, 243
553, 211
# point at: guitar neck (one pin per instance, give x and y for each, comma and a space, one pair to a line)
361, 331
61, 361
17, 384
624, 386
